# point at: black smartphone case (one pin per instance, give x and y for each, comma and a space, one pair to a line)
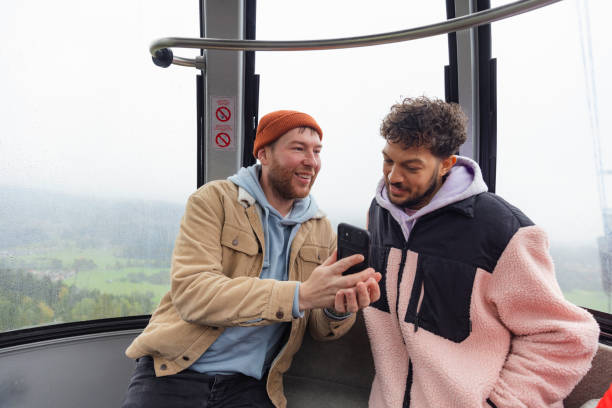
353, 240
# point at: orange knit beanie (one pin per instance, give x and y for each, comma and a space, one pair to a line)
277, 123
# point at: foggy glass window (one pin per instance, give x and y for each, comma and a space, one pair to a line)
348, 91
95, 143
555, 135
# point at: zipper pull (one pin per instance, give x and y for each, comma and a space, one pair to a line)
416, 323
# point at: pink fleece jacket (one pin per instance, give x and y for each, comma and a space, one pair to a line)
523, 344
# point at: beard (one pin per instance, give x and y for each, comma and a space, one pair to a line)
422, 199
280, 179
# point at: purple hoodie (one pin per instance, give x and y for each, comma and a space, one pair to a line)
464, 180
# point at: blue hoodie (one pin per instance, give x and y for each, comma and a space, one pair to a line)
249, 350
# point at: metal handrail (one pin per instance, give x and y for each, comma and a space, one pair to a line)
162, 55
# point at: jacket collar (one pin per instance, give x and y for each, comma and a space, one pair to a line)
246, 200
464, 207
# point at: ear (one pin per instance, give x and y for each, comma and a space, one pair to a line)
262, 155
447, 164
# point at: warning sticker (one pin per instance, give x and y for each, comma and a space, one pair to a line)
223, 114
223, 140
222, 123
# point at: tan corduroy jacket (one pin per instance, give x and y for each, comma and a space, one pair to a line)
218, 256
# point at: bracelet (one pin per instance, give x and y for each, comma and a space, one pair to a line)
335, 315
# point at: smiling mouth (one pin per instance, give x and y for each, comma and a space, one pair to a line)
306, 177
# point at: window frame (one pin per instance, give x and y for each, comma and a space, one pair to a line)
485, 137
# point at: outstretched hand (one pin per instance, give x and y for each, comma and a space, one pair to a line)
359, 297
327, 287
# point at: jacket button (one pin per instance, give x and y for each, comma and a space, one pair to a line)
279, 314
235, 242
185, 358
163, 366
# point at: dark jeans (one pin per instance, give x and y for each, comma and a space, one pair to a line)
190, 389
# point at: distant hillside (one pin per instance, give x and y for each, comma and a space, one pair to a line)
577, 266
143, 229
140, 229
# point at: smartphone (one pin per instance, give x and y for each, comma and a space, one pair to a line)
353, 240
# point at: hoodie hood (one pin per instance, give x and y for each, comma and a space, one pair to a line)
464, 180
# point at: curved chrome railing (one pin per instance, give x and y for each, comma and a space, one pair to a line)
162, 55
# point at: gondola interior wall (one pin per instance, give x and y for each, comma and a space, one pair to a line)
99, 151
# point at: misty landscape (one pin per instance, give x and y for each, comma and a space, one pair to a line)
69, 258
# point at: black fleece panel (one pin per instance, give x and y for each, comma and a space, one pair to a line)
385, 233
447, 292
474, 231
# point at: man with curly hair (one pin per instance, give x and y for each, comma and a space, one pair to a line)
470, 313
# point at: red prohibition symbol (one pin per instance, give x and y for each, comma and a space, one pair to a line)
223, 114
223, 140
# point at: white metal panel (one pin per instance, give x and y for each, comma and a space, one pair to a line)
224, 77
467, 78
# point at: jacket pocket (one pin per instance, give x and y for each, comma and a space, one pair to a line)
441, 297
309, 257
240, 249
239, 240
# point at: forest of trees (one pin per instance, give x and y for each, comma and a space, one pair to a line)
38, 226
27, 300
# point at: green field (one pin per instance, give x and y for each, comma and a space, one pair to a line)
590, 299
111, 274
111, 282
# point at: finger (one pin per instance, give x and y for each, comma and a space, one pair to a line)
373, 289
354, 278
377, 276
351, 301
345, 263
363, 296
331, 259
339, 302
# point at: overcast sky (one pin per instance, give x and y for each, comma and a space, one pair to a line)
83, 110
545, 149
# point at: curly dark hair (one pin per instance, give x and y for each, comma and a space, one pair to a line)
434, 124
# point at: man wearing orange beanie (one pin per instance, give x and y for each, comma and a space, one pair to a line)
254, 264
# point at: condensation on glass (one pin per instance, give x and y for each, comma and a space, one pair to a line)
348, 91
554, 136
93, 168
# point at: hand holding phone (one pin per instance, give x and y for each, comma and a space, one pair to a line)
353, 240
327, 287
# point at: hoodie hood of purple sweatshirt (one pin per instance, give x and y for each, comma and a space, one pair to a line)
464, 180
